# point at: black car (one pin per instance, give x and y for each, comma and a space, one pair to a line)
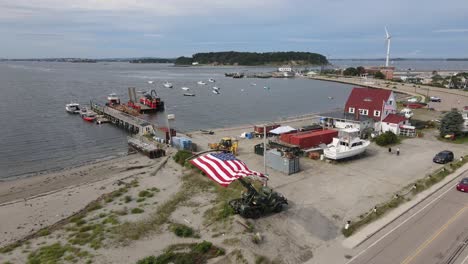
443, 157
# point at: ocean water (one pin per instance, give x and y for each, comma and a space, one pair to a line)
37, 135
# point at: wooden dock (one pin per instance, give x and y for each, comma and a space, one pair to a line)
131, 123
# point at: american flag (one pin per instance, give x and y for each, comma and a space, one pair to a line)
224, 168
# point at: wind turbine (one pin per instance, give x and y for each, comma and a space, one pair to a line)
388, 38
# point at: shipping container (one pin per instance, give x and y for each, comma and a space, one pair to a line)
314, 138
258, 129
313, 127
277, 161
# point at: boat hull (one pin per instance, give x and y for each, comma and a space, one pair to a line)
336, 154
89, 119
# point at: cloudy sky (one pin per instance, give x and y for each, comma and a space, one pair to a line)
170, 28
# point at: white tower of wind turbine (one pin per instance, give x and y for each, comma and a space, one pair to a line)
388, 38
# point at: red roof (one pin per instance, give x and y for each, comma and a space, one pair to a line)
367, 98
394, 119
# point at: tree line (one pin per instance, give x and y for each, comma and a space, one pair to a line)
254, 58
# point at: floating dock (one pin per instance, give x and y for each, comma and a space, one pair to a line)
128, 122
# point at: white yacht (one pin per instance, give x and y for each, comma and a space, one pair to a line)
215, 91
216, 88
347, 144
72, 108
211, 80
185, 88
167, 84
201, 82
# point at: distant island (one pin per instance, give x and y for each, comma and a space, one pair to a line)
152, 60
254, 58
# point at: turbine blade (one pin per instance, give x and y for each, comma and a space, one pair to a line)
386, 33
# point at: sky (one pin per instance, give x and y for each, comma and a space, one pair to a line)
172, 28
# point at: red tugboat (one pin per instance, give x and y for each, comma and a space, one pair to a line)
152, 102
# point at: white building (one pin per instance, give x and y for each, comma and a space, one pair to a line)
285, 69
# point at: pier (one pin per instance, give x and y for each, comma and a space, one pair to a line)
128, 122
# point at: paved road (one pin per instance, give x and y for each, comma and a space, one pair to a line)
436, 231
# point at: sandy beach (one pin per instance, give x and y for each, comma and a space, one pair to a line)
124, 209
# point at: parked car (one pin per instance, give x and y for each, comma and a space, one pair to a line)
443, 157
435, 99
462, 186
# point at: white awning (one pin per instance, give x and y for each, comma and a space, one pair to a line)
282, 130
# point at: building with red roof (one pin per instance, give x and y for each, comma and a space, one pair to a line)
370, 102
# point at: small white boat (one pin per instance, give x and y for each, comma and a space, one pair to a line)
211, 80
189, 94
150, 82
201, 82
253, 84
216, 88
266, 87
347, 144
167, 84
185, 88
72, 108
330, 97
215, 91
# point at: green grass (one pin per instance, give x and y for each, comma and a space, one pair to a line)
191, 185
128, 198
145, 193
111, 219
182, 230
137, 210
91, 235
43, 232
9, 248
141, 199
186, 254
56, 253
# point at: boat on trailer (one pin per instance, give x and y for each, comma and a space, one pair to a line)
346, 145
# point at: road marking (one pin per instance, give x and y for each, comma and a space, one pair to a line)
465, 260
398, 226
433, 237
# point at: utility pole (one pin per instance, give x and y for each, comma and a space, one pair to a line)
168, 127
264, 149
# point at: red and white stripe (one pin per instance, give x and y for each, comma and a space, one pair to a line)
221, 171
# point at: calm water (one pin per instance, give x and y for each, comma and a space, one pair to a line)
36, 134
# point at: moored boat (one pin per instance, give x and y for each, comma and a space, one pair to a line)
185, 88
72, 108
189, 94
215, 91
201, 82
167, 84
347, 144
89, 116
211, 80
